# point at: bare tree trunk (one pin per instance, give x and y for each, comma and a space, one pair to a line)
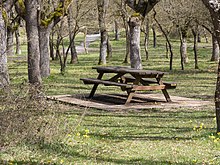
102, 6
44, 39
195, 47
51, 44
146, 40
10, 42
154, 36
74, 56
116, 30
109, 49
206, 37
199, 40
167, 50
18, 44
183, 47
4, 77
34, 76
168, 44
63, 58
182, 57
127, 32
135, 54
215, 48
72, 34
58, 42
127, 53
103, 48
213, 7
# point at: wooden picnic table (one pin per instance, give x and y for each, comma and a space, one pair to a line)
130, 80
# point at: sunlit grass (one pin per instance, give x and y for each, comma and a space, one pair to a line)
149, 136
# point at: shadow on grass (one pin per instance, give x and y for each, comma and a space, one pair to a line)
147, 113
140, 161
72, 152
15, 162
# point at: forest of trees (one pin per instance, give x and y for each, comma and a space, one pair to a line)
47, 22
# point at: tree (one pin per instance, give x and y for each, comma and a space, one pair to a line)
31, 18
4, 78
122, 10
102, 7
4, 10
214, 9
166, 35
77, 10
195, 47
141, 8
146, 31
135, 54
49, 13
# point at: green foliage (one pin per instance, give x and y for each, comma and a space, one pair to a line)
4, 15
22, 7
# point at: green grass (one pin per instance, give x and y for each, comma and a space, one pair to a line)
151, 136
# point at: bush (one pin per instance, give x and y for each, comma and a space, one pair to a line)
27, 116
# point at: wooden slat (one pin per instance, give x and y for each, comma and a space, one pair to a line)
118, 69
142, 88
169, 85
105, 82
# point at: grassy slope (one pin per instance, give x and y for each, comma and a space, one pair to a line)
150, 136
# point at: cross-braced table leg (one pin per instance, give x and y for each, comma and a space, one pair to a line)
95, 85
130, 95
165, 93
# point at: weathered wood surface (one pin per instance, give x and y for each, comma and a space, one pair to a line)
115, 102
105, 82
118, 69
145, 81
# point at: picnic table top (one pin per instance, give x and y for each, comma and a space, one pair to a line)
120, 69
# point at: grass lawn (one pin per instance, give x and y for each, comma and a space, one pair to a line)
76, 135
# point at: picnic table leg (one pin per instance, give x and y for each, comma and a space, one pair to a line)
131, 92
130, 95
165, 93
95, 85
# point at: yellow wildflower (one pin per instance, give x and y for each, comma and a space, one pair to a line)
212, 137
85, 136
61, 161
86, 131
215, 141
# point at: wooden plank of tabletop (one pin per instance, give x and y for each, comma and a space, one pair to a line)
119, 69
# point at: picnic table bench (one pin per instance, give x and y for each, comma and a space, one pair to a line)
130, 80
